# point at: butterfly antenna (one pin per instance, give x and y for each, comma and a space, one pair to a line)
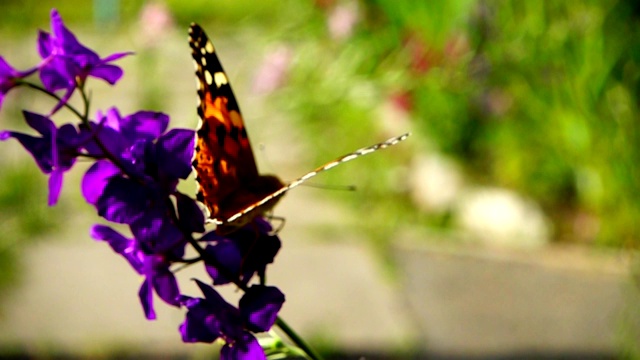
330, 187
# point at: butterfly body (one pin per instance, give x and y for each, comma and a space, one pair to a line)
230, 185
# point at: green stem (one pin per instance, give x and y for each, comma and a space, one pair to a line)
297, 340
71, 108
87, 102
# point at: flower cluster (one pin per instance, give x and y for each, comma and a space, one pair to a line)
137, 164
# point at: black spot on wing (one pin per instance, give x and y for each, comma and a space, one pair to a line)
234, 133
221, 134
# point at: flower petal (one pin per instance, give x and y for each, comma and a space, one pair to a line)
246, 348
259, 307
146, 300
174, 153
144, 125
58, 73
166, 286
40, 123
117, 56
121, 245
45, 45
156, 232
106, 72
67, 40
122, 201
228, 261
118, 243
199, 324
39, 148
55, 185
96, 179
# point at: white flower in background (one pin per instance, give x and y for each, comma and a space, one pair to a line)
502, 217
435, 183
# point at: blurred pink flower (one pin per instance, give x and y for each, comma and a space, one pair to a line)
155, 22
342, 20
402, 100
423, 56
272, 72
456, 47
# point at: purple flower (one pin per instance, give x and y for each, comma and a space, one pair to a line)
130, 141
118, 134
144, 207
155, 268
156, 231
55, 152
132, 184
242, 253
212, 317
9, 77
67, 63
148, 165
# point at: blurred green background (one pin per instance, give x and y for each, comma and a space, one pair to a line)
536, 97
533, 96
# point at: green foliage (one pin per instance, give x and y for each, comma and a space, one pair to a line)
223, 12
539, 97
33, 14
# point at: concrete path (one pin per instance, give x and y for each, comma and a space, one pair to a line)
459, 301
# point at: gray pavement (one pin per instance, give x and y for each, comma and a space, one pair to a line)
449, 300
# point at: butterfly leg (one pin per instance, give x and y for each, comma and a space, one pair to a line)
280, 220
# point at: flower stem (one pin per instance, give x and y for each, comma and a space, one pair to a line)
87, 104
36, 87
297, 340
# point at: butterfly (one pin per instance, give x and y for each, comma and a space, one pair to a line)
230, 185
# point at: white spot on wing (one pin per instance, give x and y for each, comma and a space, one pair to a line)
209, 47
207, 77
220, 79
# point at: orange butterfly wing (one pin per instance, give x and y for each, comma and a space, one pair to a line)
224, 160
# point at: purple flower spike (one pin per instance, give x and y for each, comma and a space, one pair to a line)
120, 134
153, 163
55, 152
67, 63
9, 77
